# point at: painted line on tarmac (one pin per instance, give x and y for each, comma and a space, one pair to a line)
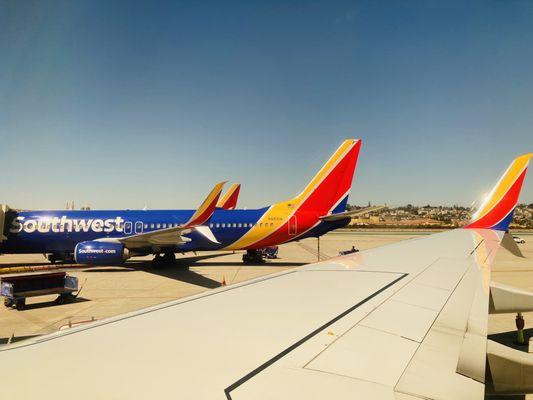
313, 251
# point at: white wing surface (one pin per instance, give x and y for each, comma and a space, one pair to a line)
380, 324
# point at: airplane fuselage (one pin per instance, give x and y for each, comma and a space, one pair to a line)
60, 231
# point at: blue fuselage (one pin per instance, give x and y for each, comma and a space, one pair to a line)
60, 231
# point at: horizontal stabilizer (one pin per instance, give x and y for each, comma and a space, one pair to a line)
350, 214
510, 245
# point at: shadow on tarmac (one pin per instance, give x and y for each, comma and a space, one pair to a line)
178, 271
28, 264
508, 339
52, 303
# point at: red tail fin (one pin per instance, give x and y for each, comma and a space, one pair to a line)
330, 186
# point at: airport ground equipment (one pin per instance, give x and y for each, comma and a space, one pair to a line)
253, 257
350, 251
17, 288
518, 239
270, 252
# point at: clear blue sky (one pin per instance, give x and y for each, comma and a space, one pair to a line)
124, 104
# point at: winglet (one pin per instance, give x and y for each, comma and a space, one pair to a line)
229, 200
496, 212
206, 210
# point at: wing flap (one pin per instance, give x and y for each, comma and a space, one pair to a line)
437, 359
354, 355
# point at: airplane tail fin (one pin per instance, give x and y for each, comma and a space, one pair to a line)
328, 190
207, 208
229, 200
496, 211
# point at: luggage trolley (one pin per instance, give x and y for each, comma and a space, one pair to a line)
17, 288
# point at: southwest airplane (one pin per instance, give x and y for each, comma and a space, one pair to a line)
405, 321
110, 237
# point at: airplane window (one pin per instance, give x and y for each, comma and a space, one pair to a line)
271, 224
240, 225
223, 225
234, 225
145, 226
217, 225
158, 226
152, 226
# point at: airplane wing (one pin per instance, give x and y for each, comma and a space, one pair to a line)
174, 235
407, 321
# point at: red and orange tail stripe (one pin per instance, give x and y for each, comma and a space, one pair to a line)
229, 200
333, 182
329, 186
496, 211
206, 210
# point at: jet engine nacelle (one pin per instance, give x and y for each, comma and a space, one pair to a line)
100, 253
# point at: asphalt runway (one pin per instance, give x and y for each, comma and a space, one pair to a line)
109, 291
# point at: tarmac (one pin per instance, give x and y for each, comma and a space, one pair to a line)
109, 291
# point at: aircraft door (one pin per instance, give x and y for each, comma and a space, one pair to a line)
293, 225
138, 227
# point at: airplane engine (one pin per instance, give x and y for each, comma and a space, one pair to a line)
100, 253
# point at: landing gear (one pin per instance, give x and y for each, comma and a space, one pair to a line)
64, 258
169, 258
165, 259
253, 257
